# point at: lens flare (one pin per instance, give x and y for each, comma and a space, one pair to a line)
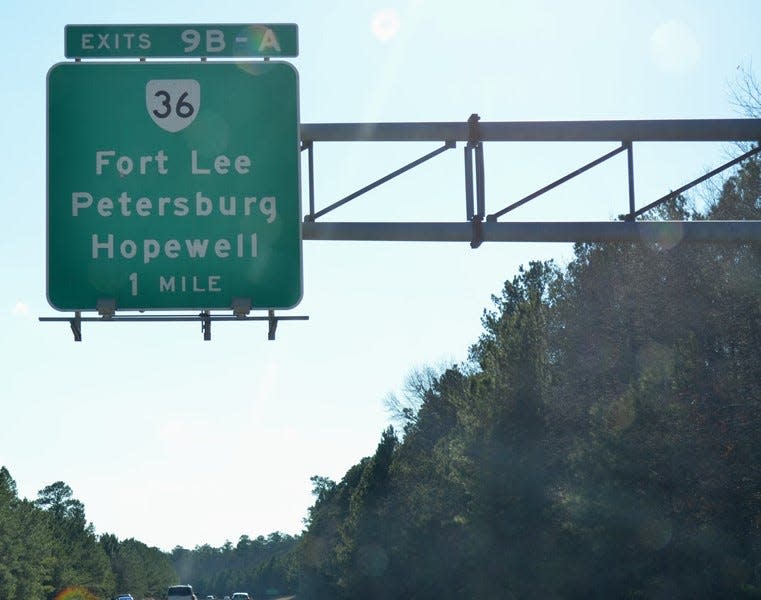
372, 560
674, 47
75, 593
385, 24
656, 533
665, 234
256, 39
621, 414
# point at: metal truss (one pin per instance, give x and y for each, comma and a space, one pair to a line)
479, 226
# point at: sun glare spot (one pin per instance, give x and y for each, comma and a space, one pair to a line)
665, 235
385, 24
621, 414
674, 47
656, 533
21, 310
372, 560
75, 593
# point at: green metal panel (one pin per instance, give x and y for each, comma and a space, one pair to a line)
173, 185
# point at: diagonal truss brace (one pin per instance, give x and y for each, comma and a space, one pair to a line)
684, 188
312, 216
633, 213
494, 216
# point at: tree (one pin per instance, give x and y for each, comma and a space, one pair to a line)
746, 92
602, 440
78, 557
57, 498
25, 545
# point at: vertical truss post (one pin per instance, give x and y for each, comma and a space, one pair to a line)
478, 218
476, 215
480, 182
469, 206
630, 168
309, 147
310, 156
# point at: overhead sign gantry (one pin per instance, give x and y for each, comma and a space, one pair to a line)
176, 185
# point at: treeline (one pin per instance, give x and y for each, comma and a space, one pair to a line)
47, 546
263, 567
602, 441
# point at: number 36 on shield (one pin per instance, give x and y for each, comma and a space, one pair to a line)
173, 103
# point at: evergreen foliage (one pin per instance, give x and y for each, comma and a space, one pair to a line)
47, 546
263, 567
602, 440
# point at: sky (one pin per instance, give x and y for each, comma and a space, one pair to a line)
174, 440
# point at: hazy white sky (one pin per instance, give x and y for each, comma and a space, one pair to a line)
173, 440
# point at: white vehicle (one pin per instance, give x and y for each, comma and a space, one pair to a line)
241, 596
180, 592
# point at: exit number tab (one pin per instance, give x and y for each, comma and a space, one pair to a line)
178, 41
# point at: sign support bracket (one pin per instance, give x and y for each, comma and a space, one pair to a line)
106, 307
206, 325
76, 326
272, 325
205, 317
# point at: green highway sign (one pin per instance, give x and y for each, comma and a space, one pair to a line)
173, 185
175, 41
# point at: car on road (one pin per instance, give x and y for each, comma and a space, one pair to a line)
241, 596
180, 592
124, 597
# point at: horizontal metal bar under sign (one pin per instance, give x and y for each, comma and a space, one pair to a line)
670, 232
